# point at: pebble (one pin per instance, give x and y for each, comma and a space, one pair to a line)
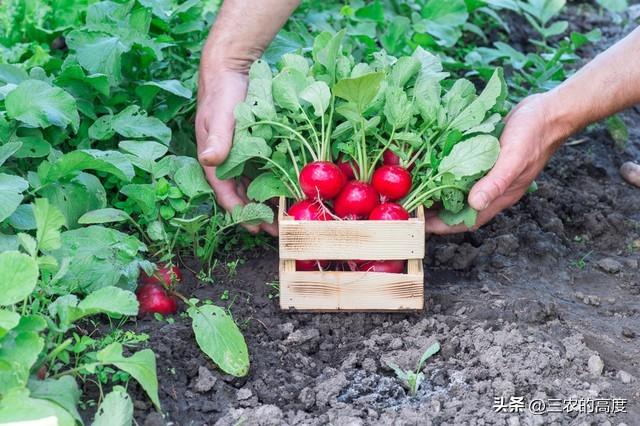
624, 377
627, 332
396, 344
610, 265
243, 394
630, 172
205, 381
154, 419
595, 365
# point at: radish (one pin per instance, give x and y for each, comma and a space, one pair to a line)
164, 275
389, 158
392, 182
321, 179
389, 211
389, 266
356, 200
153, 298
309, 210
348, 168
312, 265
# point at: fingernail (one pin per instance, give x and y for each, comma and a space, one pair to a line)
481, 200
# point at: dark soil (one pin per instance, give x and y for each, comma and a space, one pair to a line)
519, 308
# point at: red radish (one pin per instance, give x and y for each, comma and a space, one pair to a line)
389, 211
348, 168
389, 158
312, 265
153, 298
389, 266
356, 200
321, 179
392, 182
309, 210
163, 275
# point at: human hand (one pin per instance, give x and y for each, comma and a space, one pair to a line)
529, 139
220, 89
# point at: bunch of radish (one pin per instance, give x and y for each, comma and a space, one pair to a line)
334, 193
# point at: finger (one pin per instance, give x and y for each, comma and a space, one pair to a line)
435, 225
509, 166
227, 195
218, 111
270, 228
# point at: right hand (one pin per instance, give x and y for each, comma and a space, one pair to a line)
220, 89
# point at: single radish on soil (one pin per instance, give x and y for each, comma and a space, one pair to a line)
312, 265
389, 266
356, 200
389, 211
392, 182
309, 210
154, 299
321, 179
163, 275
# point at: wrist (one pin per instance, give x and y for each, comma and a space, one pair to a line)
562, 118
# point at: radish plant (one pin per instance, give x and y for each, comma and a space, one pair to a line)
412, 379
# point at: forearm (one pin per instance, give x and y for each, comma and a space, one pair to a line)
242, 31
606, 85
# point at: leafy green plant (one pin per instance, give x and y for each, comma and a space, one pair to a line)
412, 379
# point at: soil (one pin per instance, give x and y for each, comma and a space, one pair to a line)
543, 303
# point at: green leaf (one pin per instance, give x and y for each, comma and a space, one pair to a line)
17, 406
8, 320
33, 147
219, 337
359, 90
112, 301
63, 391
144, 194
11, 188
443, 19
431, 351
7, 150
18, 353
472, 156
267, 186
49, 221
172, 86
112, 162
132, 123
108, 215
141, 366
318, 95
12, 74
116, 409
467, 216
98, 53
373, 11
286, 88
19, 274
298, 62
397, 108
326, 48
38, 104
244, 148
100, 257
191, 181
252, 214
618, 6
405, 68
475, 112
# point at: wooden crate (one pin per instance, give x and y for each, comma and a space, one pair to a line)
331, 291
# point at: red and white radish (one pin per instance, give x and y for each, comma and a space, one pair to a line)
321, 179
389, 211
392, 182
356, 200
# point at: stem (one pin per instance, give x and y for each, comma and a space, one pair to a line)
423, 197
315, 134
295, 133
386, 146
294, 188
74, 370
329, 127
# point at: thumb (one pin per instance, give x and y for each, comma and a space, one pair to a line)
219, 107
495, 183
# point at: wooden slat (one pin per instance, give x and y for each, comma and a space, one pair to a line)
332, 291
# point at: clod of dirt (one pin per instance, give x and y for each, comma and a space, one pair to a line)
627, 332
243, 394
625, 377
595, 365
154, 419
205, 381
610, 265
303, 335
630, 172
